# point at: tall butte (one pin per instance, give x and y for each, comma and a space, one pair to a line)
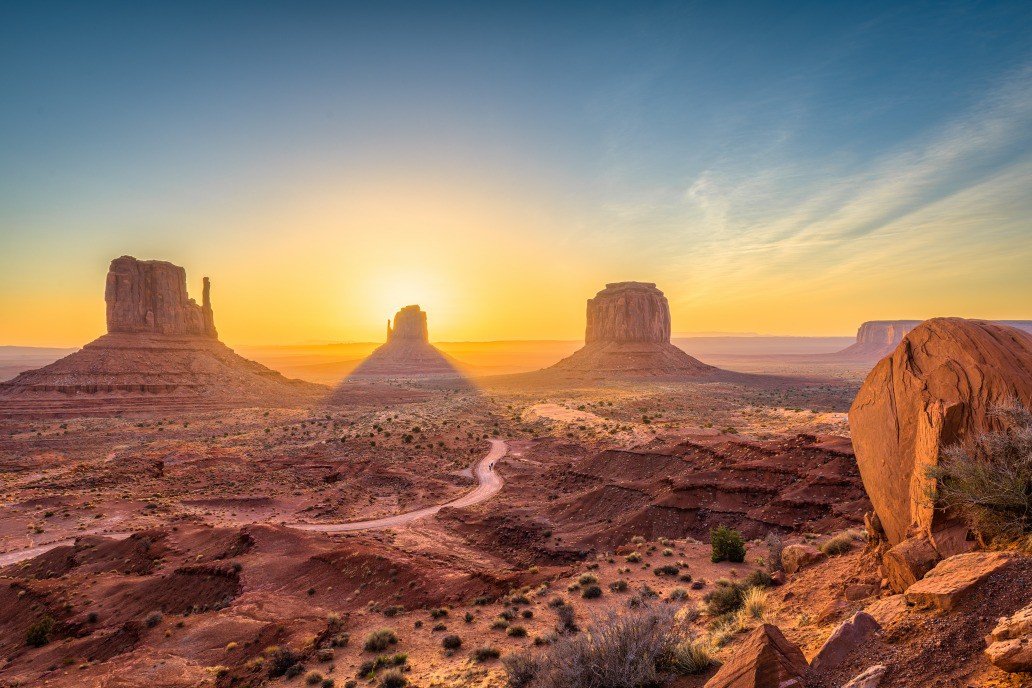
161, 350
407, 351
628, 335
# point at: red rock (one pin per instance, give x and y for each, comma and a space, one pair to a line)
797, 557
764, 659
871, 678
844, 640
953, 579
908, 562
1014, 655
860, 591
409, 323
934, 390
887, 609
149, 296
1015, 626
628, 334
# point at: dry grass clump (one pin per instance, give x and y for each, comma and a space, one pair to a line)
988, 479
838, 544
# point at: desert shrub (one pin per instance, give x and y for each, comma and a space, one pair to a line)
724, 599
516, 631
327, 683
668, 552
294, 670
500, 624
728, 545
393, 679
379, 640
688, 656
393, 611
451, 642
618, 585
468, 618
38, 634
520, 669
527, 613
556, 602
153, 619
988, 479
313, 677
280, 660
591, 592
666, 570
759, 579
838, 544
438, 613
642, 596
633, 558
678, 594
619, 650
566, 619
587, 579
486, 652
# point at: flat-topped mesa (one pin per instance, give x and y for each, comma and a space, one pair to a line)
409, 324
628, 312
149, 296
884, 332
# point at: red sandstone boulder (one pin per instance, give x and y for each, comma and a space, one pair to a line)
947, 585
765, 659
1009, 646
934, 390
797, 557
908, 562
844, 640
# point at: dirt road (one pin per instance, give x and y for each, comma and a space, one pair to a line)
488, 485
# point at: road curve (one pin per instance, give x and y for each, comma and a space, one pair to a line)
489, 483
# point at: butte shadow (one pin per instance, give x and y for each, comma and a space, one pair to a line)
405, 368
161, 351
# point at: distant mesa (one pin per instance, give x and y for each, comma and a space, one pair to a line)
879, 338
628, 335
407, 352
161, 350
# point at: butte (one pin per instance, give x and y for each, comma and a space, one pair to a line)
161, 351
407, 353
628, 336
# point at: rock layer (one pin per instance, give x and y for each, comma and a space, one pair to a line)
934, 390
149, 296
628, 335
878, 338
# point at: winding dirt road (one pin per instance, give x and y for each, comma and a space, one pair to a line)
489, 483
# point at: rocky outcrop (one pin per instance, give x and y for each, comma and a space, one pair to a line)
765, 659
628, 312
628, 335
935, 389
407, 353
1009, 646
149, 296
409, 323
796, 557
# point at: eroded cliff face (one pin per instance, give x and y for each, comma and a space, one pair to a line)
149, 296
409, 323
935, 389
627, 312
882, 333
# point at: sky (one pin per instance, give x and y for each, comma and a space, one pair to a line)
784, 168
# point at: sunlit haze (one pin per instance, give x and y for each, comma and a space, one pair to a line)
777, 168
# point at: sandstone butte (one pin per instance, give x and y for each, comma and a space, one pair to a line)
407, 351
628, 334
936, 389
161, 349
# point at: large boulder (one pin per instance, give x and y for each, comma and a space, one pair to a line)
845, 640
797, 557
935, 389
765, 659
906, 563
954, 579
1009, 646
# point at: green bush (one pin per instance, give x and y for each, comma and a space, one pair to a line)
591, 592
379, 640
759, 579
724, 599
451, 642
728, 545
39, 632
482, 654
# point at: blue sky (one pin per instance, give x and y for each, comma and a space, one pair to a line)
778, 167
